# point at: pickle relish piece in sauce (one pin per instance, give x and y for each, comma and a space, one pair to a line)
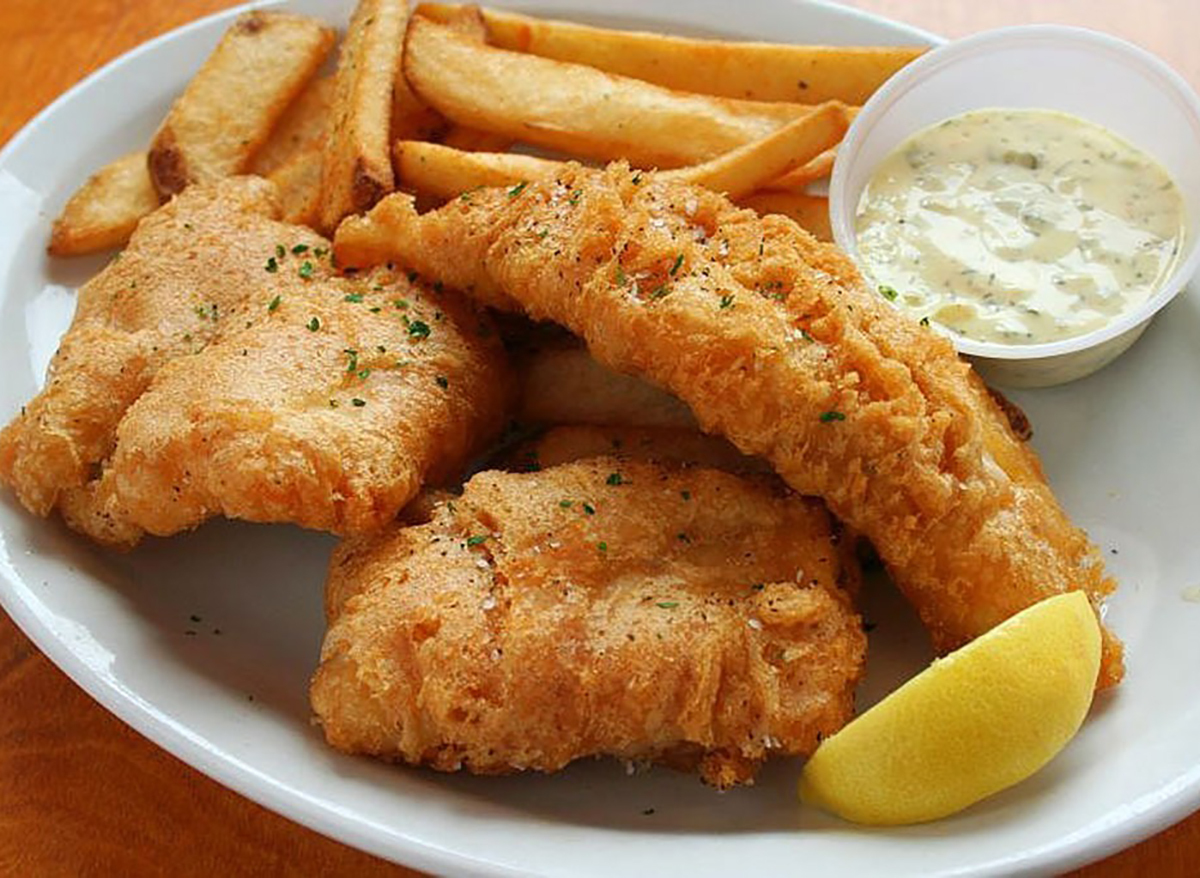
1019, 226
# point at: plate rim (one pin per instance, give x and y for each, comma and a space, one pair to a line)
234, 773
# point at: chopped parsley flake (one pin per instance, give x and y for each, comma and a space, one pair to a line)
678, 262
637, 178
887, 292
319, 252
352, 359
442, 381
358, 403
518, 189
575, 196
300, 248
476, 540
661, 292
566, 504
621, 278
727, 301
924, 321
668, 605
306, 269
353, 297
274, 306
272, 265
364, 374
279, 251
400, 303
830, 416
589, 508
602, 546
614, 479
314, 324
418, 329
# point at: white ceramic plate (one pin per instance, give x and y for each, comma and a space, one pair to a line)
139, 632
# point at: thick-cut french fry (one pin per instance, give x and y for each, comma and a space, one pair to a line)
567, 386
741, 171
758, 71
105, 210
437, 171
228, 109
811, 212
299, 183
440, 172
357, 168
302, 127
578, 109
819, 168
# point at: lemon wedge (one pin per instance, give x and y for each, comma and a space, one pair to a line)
973, 723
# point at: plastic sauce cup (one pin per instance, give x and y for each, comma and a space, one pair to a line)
1072, 70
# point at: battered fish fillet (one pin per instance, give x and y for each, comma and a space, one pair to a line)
219, 367
604, 607
774, 341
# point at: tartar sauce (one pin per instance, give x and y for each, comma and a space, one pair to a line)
1019, 226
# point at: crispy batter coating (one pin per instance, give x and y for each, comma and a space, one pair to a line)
219, 367
685, 616
775, 342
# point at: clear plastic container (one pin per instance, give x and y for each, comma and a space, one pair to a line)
1073, 70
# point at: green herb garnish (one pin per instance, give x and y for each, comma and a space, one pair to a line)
830, 416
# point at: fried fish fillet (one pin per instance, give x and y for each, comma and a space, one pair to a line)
220, 367
604, 607
774, 341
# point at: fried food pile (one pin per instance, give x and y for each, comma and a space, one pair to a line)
774, 341
601, 577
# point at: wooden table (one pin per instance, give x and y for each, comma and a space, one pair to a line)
80, 793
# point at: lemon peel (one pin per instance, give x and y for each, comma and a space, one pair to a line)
983, 718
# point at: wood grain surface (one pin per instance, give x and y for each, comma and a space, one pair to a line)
81, 793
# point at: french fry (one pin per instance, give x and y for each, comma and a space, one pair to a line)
747, 168
441, 172
231, 105
303, 126
577, 109
757, 71
105, 210
567, 386
299, 183
811, 212
820, 167
357, 169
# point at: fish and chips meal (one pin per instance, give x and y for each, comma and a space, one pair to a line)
543, 321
